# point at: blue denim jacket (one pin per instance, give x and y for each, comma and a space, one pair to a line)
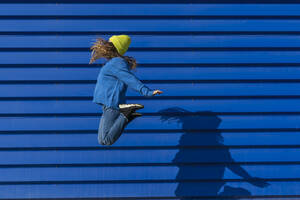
112, 82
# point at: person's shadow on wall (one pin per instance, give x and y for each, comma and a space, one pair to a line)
192, 150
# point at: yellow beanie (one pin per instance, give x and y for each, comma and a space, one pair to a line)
121, 42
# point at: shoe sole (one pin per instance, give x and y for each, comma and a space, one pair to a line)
136, 114
136, 106
132, 107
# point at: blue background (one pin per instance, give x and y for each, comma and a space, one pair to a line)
226, 127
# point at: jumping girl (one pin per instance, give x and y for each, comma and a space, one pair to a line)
112, 82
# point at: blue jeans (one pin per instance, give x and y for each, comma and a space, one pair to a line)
111, 125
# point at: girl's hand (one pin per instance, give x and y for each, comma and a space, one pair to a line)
157, 92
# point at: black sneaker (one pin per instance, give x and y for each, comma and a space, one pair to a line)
133, 116
127, 111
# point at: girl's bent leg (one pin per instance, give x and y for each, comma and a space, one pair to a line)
111, 126
101, 130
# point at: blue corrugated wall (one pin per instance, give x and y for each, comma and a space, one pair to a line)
226, 127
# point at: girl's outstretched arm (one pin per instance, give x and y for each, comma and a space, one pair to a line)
121, 71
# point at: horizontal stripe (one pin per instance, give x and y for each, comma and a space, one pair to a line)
153, 25
153, 10
78, 107
148, 173
152, 139
201, 121
172, 156
178, 89
152, 41
155, 73
148, 190
158, 57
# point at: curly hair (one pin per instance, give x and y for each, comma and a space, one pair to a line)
105, 49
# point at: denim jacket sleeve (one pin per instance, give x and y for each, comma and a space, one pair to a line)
121, 71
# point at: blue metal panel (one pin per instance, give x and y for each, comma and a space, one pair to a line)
213, 104
204, 120
158, 57
158, 190
154, 156
186, 73
150, 25
152, 10
230, 75
142, 173
171, 89
155, 139
255, 41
